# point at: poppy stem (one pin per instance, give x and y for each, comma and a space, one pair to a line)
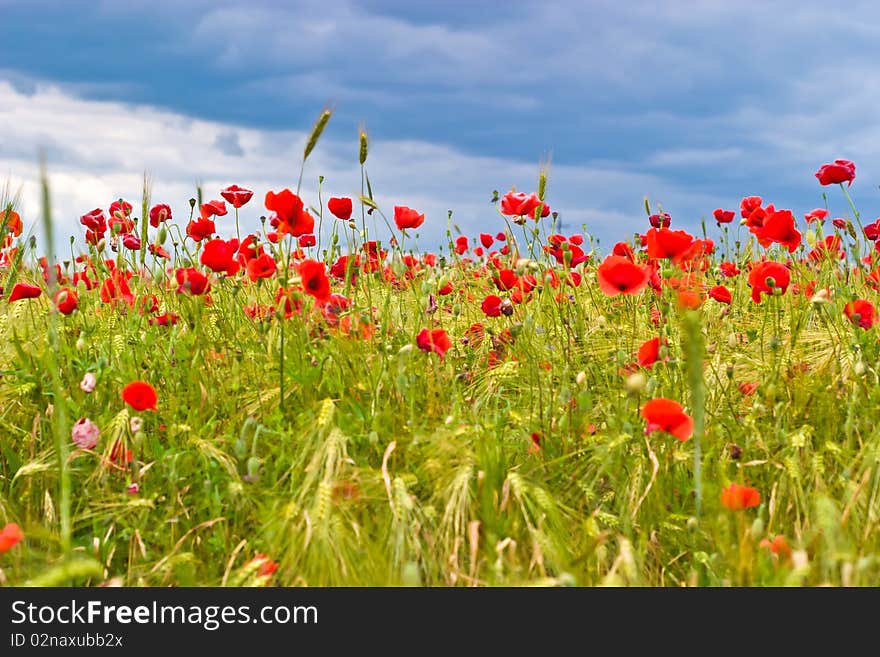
858, 217
694, 351
59, 410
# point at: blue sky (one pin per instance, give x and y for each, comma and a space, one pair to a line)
693, 104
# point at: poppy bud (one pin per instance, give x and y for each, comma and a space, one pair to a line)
636, 382
810, 237
101, 245
506, 307
693, 524
757, 530
253, 466
162, 235
581, 378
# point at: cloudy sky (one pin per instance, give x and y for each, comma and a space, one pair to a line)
692, 104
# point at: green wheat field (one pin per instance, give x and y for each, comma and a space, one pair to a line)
327, 402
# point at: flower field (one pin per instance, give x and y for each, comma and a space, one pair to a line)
325, 402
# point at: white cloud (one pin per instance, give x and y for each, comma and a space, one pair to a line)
99, 150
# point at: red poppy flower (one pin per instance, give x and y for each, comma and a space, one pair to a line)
818, 214
749, 204
213, 209
665, 243
219, 256
649, 352
115, 288
200, 229
66, 300
10, 536
721, 294
314, 279
861, 313
340, 207
131, 242
766, 277
505, 280
662, 220
830, 246
248, 249
624, 250
10, 220
689, 299
737, 498
191, 280
406, 217
777, 546
729, 269
492, 306
288, 209
723, 216
621, 275
434, 340
148, 304
339, 268
24, 291
266, 567
94, 221
461, 244
159, 213
158, 251
872, 231
140, 395
120, 223
486, 240
841, 224
779, 227
236, 195
166, 319
120, 208
522, 204
669, 416
840, 171
263, 266
748, 387
305, 241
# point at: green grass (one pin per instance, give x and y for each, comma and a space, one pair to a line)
383, 465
